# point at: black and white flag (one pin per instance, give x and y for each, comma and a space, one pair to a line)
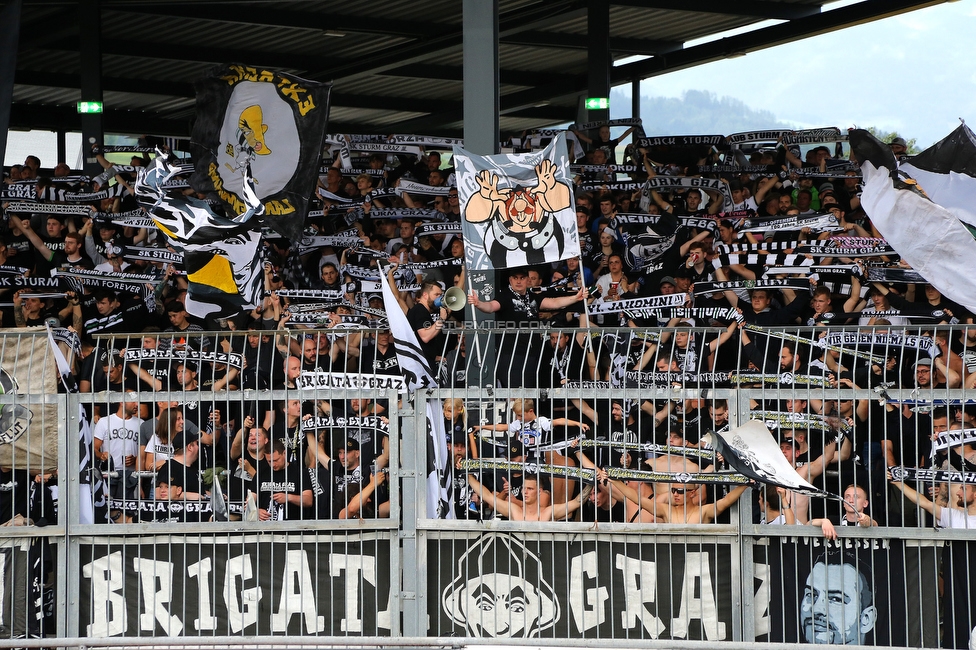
517, 209
266, 124
419, 375
752, 450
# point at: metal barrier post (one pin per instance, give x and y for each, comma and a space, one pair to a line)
69, 516
61, 543
413, 434
397, 512
744, 547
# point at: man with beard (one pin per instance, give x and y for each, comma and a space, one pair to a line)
837, 605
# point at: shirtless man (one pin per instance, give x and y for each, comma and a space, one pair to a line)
684, 505
530, 508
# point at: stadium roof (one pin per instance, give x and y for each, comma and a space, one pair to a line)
396, 64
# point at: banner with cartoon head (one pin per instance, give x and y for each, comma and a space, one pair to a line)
28, 431
516, 209
266, 121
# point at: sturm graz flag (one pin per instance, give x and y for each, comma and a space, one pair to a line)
268, 121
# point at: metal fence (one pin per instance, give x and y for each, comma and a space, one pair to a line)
538, 550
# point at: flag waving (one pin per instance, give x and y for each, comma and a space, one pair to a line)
947, 173
265, 121
418, 375
926, 235
752, 450
517, 209
221, 255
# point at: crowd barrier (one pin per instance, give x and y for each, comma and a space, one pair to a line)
93, 551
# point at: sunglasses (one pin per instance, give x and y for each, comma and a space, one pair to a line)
675, 490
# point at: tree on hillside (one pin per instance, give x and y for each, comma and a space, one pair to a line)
886, 136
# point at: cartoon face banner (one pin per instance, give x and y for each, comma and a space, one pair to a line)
270, 122
517, 209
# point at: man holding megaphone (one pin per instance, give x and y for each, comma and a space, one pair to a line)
426, 318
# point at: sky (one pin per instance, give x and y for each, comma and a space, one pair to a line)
912, 73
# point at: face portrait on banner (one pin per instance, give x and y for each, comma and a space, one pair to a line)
500, 591
837, 605
517, 209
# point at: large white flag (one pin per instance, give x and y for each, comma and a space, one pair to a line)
417, 374
946, 171
926, 235
752, 450
516, 209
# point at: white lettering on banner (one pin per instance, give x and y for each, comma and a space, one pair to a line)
311, 379
108, 606
244, 612
588, 598
583, 601
698, 580
201, 571
153, 574
355, 565
761, 600
297, 573
640, 587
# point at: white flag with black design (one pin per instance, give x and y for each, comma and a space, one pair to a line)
417, 374
933, 240
517, 209
752, 450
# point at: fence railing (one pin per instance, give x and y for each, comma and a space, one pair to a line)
304, 512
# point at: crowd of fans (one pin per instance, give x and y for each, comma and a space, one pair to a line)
318, 458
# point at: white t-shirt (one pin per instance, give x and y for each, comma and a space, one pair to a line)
955, 518
119, 437
531, 433
159, 450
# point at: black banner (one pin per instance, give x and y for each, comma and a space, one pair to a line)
504, 586
215, 586
271, 127
848, 591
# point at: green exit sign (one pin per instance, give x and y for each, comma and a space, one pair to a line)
89, 107
597, 103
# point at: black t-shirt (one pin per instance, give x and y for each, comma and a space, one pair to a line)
320, 481
344, 483
372, 360
130, 316
292, 479
420, 318
175, 473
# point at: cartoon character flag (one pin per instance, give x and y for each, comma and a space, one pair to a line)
517, 209
221, 255
269, 121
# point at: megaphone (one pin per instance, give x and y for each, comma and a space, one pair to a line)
454, 299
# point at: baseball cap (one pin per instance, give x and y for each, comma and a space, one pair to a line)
900, 141
188, 364
667, 280
515, 448
826, 187
923, 362
110, 357
348, 445
514, 273
184, 438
